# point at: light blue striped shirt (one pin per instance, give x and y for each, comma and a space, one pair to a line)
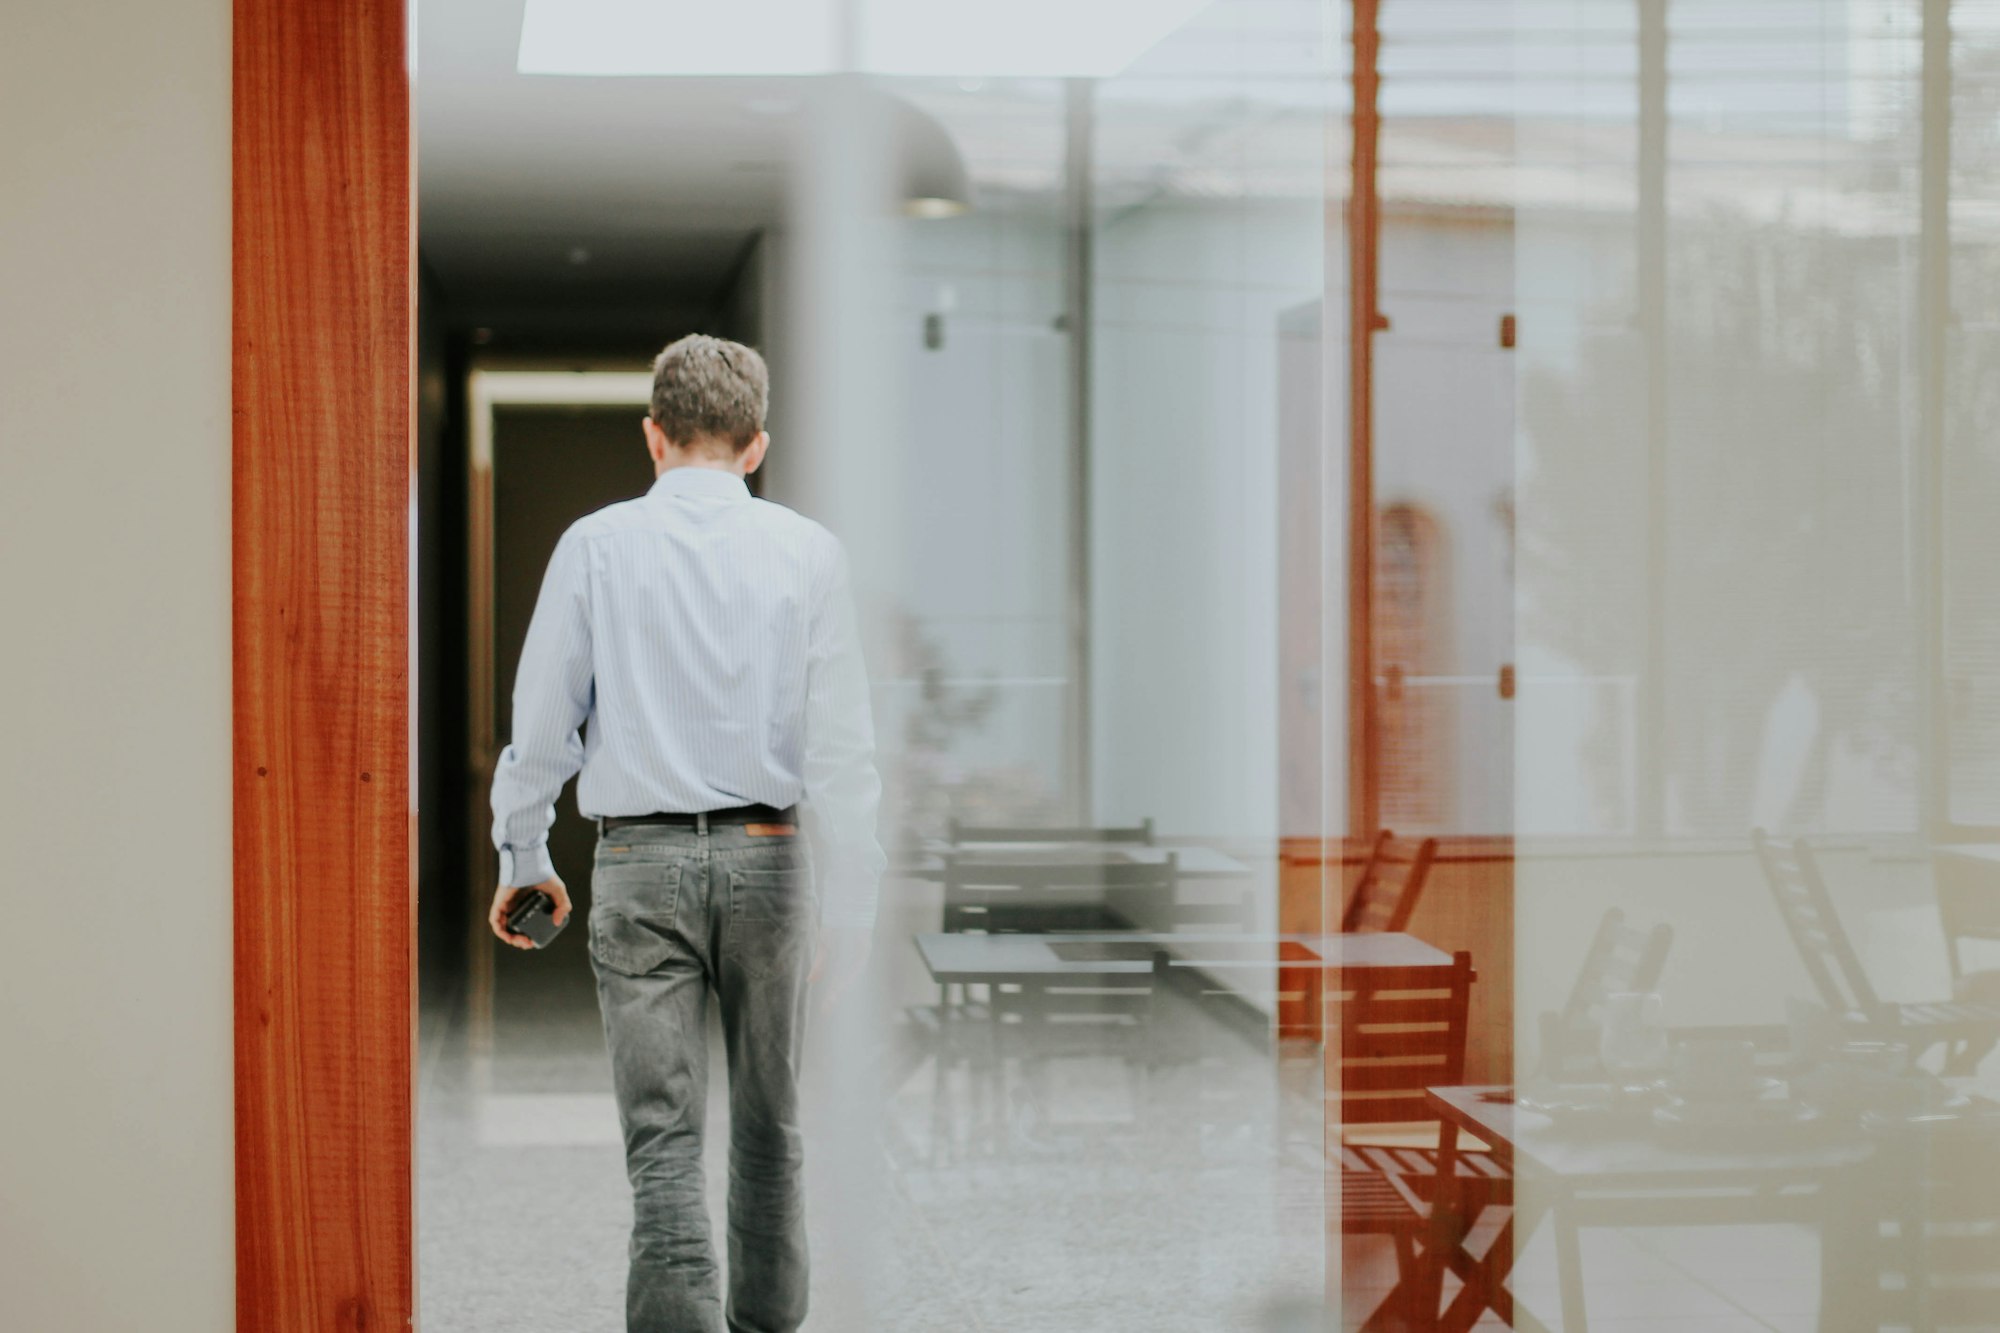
708, 639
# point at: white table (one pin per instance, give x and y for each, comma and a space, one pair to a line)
991, 959
1196, 862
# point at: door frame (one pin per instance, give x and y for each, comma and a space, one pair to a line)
487, 390
323, 670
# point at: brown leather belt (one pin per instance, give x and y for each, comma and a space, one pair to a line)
735, 814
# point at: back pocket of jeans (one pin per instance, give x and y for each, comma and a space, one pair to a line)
771, 915
627, 943
632, 916
771, 895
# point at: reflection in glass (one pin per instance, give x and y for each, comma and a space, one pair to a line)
1519, 844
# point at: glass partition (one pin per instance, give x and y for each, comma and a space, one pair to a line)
1426, 571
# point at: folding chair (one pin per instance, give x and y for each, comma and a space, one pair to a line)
1402, 1031
985, 893
1391, 881
1968, 1029
1925, 1226
1040, 1020
1622, 959
978, 1028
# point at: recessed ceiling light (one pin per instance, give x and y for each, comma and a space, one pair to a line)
931, 207
970, 38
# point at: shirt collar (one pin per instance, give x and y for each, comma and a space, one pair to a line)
708, 481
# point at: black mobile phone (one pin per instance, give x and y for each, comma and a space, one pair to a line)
533, 914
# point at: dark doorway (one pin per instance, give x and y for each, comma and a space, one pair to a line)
551, 465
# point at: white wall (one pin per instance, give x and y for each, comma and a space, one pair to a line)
984, 505
989, 511
1184, 493
115, 1079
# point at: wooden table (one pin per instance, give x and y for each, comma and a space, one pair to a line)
993, 959
1194, 862
1622, 1177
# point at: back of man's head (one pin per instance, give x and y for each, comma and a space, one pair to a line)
710, 394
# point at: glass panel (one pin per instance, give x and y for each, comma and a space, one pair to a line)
1789, 626
1208, 254
1971, 470
1738, 438
1444, 469
1580, 484
975, 718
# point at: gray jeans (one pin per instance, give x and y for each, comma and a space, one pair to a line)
677, 913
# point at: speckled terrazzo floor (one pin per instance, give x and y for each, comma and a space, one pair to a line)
938, 1215
946, 1203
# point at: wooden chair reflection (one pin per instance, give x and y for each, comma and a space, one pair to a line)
1038, 1022
1622, 959
1932, 1254
973, 1030
1968, 1029
1402, 1031
1392, 879
1405, 1034
995, 895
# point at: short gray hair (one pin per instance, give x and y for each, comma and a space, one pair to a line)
710, 389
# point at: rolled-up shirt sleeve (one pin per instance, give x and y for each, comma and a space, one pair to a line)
552, 698
843, 790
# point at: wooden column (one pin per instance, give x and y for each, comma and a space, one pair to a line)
325, 922
1364, 321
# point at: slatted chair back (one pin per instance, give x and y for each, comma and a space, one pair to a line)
1623, 958
994, 895
1068, 1015
1402, 1030
1932, 1222
1391, 881
1141, 833
1808, 911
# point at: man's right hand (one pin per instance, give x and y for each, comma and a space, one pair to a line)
503, 903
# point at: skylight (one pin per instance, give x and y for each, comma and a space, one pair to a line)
969, 38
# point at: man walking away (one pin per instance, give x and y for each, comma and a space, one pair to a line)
708, 639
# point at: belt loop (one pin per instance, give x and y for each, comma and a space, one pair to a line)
701, 823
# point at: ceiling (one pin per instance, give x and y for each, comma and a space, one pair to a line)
613, 208
635, 198
625, 205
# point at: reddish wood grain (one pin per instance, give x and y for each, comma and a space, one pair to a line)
324, 934
1468, 903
